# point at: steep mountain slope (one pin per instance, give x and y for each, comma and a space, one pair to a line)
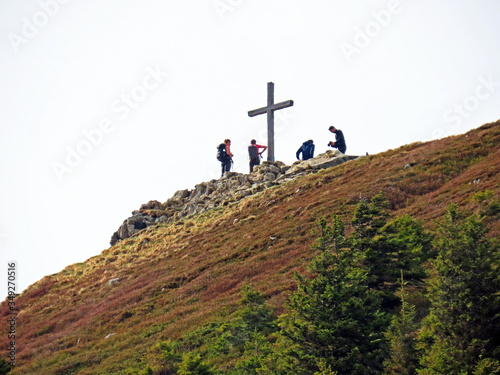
170, 279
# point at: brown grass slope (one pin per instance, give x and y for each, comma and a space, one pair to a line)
174, 278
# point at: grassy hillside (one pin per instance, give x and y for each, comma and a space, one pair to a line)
175, 277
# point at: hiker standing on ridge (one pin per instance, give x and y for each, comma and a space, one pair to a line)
254, 154
225, 156
339, 143
307, 150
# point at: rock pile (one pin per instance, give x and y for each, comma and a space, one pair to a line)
228, 189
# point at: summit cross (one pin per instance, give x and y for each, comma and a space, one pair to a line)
271, 107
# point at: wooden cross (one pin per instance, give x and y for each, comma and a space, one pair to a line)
271, 107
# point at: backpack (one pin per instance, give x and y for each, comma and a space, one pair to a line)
221, 152
252, 152
307, 150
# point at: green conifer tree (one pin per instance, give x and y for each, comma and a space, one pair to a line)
402, 336
258, 354
334, 319
405, 245
254, 311
5, 366
461, 335
192, 364
388, 247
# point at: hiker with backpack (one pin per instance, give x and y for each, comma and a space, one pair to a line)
307, 150
339, 143
254, 154
225, 156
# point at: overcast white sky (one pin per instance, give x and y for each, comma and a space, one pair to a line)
105, 105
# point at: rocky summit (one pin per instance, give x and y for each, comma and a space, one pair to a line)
231, 188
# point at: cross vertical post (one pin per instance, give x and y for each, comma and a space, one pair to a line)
270, 121
269, 110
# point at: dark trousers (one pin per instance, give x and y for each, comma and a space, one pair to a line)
226, 166
254, 162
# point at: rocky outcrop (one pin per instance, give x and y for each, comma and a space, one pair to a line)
232, 187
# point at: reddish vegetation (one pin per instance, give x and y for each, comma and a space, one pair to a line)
174, 278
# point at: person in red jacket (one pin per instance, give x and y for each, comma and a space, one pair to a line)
255, 154
226, 162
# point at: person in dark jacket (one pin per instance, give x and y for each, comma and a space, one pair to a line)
307, 150
255, 154
339, 143
227, 158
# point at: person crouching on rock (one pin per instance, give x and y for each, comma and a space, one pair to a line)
307, 150
339, 143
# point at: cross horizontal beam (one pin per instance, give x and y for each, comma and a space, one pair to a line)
274, 107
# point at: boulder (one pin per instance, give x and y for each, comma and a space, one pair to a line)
269, 176
151, 205
181, 194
